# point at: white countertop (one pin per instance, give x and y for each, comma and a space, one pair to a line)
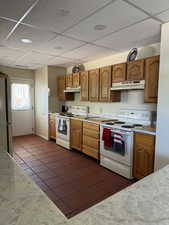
23, 203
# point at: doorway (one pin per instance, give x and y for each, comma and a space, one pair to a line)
22, 98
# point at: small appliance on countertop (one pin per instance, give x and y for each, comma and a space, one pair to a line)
116, 154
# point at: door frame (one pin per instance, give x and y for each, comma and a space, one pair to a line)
32, 83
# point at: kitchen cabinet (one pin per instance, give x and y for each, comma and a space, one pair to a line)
135, 70
119, 72
76, 134
151, 79
61, 86
105, 84
69, 80
144, 150
91, 142
84, 92
94, 85
76, 79
52, 126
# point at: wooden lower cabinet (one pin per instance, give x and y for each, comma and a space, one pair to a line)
76, 134
91, 142
52, 126
144, 150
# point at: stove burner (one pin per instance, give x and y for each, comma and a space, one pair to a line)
109, 123
127, 126
119, 122
137, 125
66, 114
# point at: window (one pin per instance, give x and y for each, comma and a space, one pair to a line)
21, 97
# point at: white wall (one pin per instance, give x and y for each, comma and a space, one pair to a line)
41, 102
18, 73
130, 99
53, 72
162, 137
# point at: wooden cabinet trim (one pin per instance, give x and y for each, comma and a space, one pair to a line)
119, 72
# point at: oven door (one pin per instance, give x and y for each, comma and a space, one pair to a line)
63, 128
114, 154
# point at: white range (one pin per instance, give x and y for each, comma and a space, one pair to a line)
120, 160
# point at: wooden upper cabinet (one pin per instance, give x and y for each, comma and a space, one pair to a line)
94, 85
69, 80
61, 85
151, 79
135, 70
144, 150
105, 83
76, 79
119, 72
84, 82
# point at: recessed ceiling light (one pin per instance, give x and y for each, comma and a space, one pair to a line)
26, 41
100, 27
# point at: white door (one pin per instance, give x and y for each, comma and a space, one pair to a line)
22, 94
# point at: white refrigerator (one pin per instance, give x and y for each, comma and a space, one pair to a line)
5, 115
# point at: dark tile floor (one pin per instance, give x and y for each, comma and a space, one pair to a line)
73, 181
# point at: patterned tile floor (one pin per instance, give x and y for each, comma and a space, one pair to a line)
73, 181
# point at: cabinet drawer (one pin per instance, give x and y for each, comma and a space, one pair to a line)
91, 126
91, 133
91, 142
52, 116
90, 151
76, 123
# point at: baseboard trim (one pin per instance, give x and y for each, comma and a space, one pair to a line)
46, 138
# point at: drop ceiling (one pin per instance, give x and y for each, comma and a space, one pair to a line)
63, 32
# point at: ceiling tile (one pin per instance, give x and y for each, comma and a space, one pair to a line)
141, 34
61, 14
164, 16
60, 45
37, 36
152, 6
61, 61
6, 52
115, 16
15, 9
5, 27
35, 58
88, 52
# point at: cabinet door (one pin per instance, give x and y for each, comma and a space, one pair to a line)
69, 80
135, 70
144, 148
76, 79
105, 83
119, 72
151, 79
52, 128
76, 134
61, 85
84, 82
94, 85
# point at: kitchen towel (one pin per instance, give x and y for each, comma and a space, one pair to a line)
118, 143
106, 137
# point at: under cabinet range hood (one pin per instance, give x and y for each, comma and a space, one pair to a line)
72, 89
128, 85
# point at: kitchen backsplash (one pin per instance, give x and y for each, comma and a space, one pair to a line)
129, 99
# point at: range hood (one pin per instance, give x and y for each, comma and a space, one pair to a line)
128, 85
72, 89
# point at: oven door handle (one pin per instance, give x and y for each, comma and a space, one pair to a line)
122, 133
